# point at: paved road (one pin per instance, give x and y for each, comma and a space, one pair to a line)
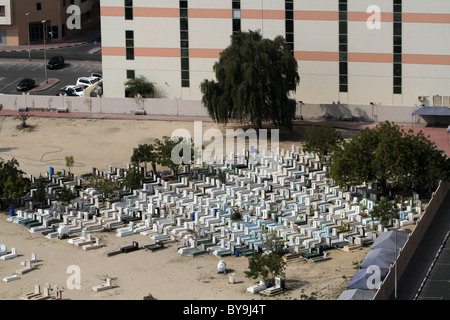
79, 52
410, 282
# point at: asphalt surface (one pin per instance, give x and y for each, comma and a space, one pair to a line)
82, 51
12, 71
82, 55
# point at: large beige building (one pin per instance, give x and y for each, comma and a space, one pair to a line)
389, 52
17, 17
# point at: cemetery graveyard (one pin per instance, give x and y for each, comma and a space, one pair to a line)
285, 193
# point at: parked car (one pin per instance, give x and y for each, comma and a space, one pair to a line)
97, 75
74, 91
25, 85
55, 62
89, 81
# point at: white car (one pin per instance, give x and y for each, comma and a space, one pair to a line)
74, 90
88, 81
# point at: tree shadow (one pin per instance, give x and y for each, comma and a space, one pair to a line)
293, 284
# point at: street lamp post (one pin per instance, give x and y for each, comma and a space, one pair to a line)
45, 51
28, 28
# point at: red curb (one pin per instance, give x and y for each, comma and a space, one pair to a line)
46, 85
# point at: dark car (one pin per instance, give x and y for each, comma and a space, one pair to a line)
55, 62
25, 85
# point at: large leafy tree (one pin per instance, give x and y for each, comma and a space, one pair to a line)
40, 192
174, 152
322, 140
269, 264
12, 183
389, 154
134, 178
65, 195
15, 188
106, 187
255, 77
385, 210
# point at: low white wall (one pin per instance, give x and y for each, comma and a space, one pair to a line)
180, 107
169, 107
358, 112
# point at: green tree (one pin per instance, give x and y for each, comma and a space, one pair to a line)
139, 86
103, 185
12, 183
322, 140
265, 266
174, 152
69, 162
15, 188
145, 153
255, 77
23, 116
269, 264
236, 215
388, 154
134, 178
65, 195
385, 210
274, 244
222, 176
40, 192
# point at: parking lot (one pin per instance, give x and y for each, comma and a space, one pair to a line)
12, 71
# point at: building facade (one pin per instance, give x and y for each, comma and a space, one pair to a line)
354, 52
21, 20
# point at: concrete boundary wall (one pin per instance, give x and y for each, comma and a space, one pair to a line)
406, 253
98, 105
367, 112
174, 107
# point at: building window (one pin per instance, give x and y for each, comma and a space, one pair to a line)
397, 50
128, 9
289, 13
343, 48
2, 11
236, 7
184, 44
131, 74
53, 33
129, 44
38, 6
36, 32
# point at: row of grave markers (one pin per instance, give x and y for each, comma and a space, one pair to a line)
285, 192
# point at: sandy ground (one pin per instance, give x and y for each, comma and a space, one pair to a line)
165, 274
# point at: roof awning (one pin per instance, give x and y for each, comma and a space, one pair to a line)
432, 111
